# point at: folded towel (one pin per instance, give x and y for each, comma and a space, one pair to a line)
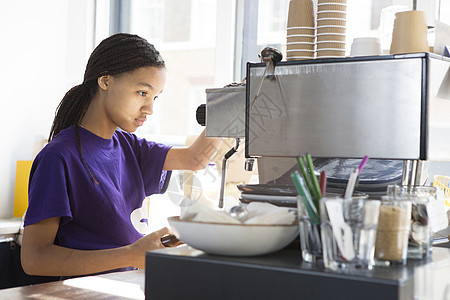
269, 214
201, 213
259, 213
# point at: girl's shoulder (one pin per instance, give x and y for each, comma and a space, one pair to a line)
63, 142
135, 142
128, 139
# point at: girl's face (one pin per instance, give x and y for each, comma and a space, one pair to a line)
130, 96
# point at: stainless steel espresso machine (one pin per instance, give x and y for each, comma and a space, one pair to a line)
387, 107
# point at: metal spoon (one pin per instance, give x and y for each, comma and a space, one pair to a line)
239, 212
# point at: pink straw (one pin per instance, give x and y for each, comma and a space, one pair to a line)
362, 164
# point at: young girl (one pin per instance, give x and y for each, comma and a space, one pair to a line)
87, 182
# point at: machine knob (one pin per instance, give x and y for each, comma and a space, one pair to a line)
271, 53
200, 114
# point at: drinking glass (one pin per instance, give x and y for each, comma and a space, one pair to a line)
310, 241
348, 228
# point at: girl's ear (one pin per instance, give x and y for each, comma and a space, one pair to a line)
103, 82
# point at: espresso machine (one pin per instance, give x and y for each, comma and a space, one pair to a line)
387, 107
390, 107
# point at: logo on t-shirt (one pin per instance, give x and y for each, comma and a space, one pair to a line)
139, 217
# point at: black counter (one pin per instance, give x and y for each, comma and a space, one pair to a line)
187, 273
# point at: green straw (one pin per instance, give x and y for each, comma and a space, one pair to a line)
305, 198
315, 182
305, 175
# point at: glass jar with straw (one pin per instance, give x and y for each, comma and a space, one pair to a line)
309, 194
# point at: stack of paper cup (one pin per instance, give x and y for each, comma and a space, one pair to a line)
331, 28
300, 30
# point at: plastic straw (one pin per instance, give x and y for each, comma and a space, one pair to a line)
305, 175
323, 183
362, 164
351, 184
314, 180
305, 197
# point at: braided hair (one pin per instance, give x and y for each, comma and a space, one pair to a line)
116, 54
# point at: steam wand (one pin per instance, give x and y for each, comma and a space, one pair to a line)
224, 170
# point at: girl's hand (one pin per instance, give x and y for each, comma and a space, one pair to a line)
147, 243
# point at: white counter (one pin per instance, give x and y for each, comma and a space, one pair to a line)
9, 228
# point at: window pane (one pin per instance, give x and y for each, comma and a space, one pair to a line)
445, 11
272, 18
184, 31
177, 21
148, 18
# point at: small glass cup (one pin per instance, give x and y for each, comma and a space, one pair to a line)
348, 228
310, 241
393, 230
420, 235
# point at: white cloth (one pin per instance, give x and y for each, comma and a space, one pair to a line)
201, 213
269, 214
259, 213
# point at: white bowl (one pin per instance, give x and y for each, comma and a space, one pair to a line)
234, 239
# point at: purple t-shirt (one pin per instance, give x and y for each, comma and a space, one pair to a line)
95, 216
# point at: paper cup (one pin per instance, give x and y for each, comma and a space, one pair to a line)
332, 1
300, 46
301, 13
300, 52
322, 37
326, 53
331, 14
299, 55
330, 44
301, 36
332, 26
308, 54
299, 58
331, 21
410, 33
366, 46
331, 56
300, 39
331, 29
331, 6
301, 30
300, 43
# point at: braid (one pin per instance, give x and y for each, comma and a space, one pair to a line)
116, 54
70, 110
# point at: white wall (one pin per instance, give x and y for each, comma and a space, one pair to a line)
44, 46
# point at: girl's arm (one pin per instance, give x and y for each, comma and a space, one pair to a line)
195, 157
40, 256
